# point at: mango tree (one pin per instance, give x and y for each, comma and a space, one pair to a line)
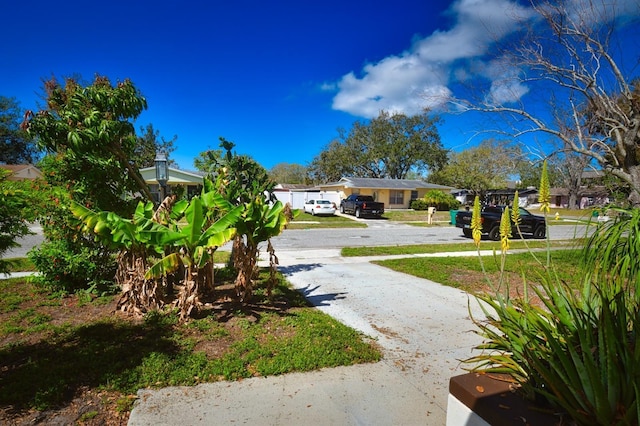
88, 134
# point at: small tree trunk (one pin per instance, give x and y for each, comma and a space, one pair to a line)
245, 262
188, 299
138, 294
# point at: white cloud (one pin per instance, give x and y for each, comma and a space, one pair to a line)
419, 77
506, 84
589, 12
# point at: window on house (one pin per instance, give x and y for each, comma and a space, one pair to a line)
396, 197
414, 195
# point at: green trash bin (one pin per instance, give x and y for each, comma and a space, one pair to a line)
453, 216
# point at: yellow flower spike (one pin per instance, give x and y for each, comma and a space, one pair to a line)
515, 211
505, 230
476, 222
545, 191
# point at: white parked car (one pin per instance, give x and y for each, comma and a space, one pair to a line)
315, 207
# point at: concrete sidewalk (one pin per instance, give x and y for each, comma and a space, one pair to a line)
422, 327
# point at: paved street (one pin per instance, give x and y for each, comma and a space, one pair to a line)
385, 233
378, 233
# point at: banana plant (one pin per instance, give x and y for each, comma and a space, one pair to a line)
130, 236
192, 245
259, 222
141, 239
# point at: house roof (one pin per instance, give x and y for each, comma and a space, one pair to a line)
176, 176
406, 184
15, 167
292, 187
592, 174
521, 192
21, 171
595, 191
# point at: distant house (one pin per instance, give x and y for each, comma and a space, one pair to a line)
191, 182
587, 196
591, 192
394, 193
22, 171
298, 194
504, 197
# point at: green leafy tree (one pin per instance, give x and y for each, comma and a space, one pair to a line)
245, 183
238, 177
208, 161
16, 145
333, 162
91, 127
486, 166
388, 146
288, 173
13, 202
89, 136
148, 144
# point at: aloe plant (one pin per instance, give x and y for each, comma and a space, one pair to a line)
576, 350
571, 353
611, 254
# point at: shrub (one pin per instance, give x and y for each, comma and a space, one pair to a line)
440, 200
419, 204
68, 268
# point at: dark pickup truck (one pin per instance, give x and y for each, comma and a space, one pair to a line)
361, 205
491, 216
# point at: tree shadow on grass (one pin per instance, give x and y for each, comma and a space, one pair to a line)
48, 373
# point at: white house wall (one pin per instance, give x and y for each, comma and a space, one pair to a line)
298, 198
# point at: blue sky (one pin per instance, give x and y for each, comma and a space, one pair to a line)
277, 78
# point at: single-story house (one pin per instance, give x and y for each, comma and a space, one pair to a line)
22, 171
503, 197
190, 181
394, 193
587, 197
297, 195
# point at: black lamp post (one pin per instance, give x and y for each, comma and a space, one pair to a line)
162, 173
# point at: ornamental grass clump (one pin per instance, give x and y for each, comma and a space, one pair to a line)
574, 351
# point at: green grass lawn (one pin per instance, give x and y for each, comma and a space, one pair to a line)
449, 247
466, 272
415, 216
